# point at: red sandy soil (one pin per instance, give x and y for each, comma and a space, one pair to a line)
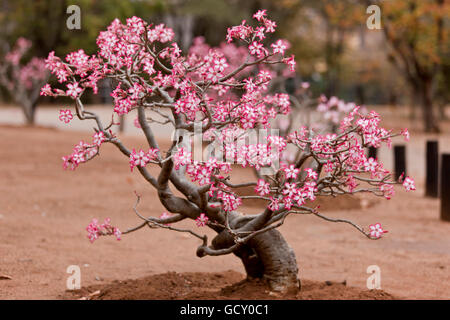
227, 285
44, 212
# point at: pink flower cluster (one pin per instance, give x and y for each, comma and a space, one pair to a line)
343, 154
83, 151
96, 230
20, 48
334, 109
202, 172
293, 194
132, 45
246, 32
141, 158
409, 184
29, 75
181, 158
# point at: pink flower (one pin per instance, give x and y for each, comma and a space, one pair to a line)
299, 198
290, 62
74, 90
99, 138
270, 25
279, 47
311, 174
290, 189
309, 190
259, 33
181, 158
256, 48
95, 230
46, 90
409, 184
376, 231
405, 133
220, 64
239, 32
388, 190
201, 220
152, 154
264, 76
262, 188
371, 165
291, 172
166, 35
373, 140
260, 14
287, 203
141, 158
65, 115
274, 204
118, 234
230, 202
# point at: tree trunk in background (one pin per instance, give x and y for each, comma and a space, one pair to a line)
429, 118
29, 110
183, 25
122, 123
413, 105
360, 94
441, 110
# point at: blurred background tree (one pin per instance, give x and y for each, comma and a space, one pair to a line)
334, 49
417, 34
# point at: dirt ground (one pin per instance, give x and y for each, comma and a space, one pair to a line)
227, 285
44, 212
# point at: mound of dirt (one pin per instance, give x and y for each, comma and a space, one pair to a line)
229, 285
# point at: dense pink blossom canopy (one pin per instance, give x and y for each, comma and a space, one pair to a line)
226, 90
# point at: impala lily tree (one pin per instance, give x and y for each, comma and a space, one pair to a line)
223, 95
22, 80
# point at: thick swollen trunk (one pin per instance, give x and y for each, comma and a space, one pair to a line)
269, 256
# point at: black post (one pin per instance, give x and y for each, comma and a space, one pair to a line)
399, 161
445, 187
372, 153
432, 169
